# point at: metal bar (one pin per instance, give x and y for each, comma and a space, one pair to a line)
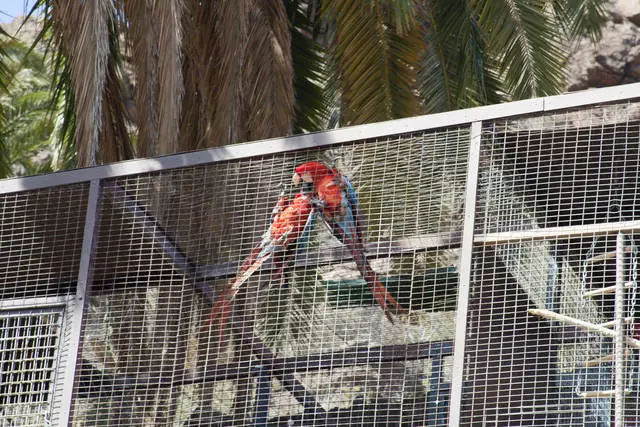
282, 368
263, 394
465, 274
339, 253
338, 136
619, 330
215, 271
555, 232
77, 306
34, 303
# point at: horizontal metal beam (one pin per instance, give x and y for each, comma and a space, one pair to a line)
92, 383
554, 232
328, 138
34, 303
326, 256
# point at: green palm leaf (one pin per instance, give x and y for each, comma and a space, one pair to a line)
376, 62
522, 37
311, 76
580, 17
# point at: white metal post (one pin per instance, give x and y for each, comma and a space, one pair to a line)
620, 336
464, 274
77, 306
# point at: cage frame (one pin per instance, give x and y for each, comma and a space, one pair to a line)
473, 118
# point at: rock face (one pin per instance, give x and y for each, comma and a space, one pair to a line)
615, 59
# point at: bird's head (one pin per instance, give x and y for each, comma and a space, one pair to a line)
310, 172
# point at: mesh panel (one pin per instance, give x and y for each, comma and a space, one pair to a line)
40, 246
41, 241
552, 331
533, 356
28, 361
308, 345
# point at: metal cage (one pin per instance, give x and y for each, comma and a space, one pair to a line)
506, 233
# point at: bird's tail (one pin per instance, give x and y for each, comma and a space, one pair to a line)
382, 295
219, 315
222, 307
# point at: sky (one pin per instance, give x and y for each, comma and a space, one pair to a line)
12, 8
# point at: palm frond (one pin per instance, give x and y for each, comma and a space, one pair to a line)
457, 71
268, 72
376, 65
25, 104
82, 31
580, 17
522, 37
313, 98
225, 91
142, 42
5, 164
169, 73
404, 14
114, 140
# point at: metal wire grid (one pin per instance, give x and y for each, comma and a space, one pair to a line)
41, 241
167, 239
29, 341
570, 169
314, 349
40, 248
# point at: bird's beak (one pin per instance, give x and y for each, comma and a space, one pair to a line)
305, 177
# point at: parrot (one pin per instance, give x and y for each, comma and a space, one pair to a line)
291, 222
339, 210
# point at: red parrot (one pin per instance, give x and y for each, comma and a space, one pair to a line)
340, 211
291, 222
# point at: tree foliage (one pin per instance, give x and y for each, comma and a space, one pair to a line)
26, 123
143, 78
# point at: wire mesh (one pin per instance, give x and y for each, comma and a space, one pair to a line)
41, 241
552, 331
29, 343
534, 353
304, 341
40, 248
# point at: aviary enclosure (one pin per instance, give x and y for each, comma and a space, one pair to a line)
507, 234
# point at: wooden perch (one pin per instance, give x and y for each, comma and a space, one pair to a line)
607, 255
599, 393
606, 290
612, 323
548, 314
604, 359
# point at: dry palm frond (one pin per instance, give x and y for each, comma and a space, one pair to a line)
168, 14
83, 29
268, 73
115, 144
224, 74
200, 74
143, 41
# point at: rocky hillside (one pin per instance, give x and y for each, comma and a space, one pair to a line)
615, 59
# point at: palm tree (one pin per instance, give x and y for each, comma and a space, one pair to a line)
151, 77
185, 74
26, 123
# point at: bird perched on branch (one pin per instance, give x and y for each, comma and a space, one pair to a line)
340, 212
291, 222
